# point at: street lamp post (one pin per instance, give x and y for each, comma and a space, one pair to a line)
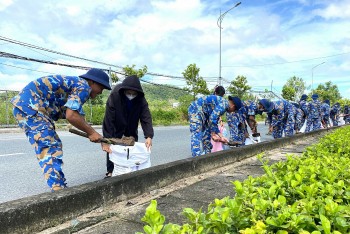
219, 21
312, 76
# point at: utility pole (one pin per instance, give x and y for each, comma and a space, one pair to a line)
219, 21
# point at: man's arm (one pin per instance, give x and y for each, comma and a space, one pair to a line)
109, 121
79, 122
146, 124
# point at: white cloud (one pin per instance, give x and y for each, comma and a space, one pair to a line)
335, 10
169, 35
4, 4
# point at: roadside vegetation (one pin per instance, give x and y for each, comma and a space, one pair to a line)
306, 194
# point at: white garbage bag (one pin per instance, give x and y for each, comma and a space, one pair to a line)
129, 158
303, 127
248, 141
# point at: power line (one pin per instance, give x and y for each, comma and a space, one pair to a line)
8, 55
76, 57
26, 68
52, 51
296, 61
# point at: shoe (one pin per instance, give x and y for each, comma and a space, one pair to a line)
108, 175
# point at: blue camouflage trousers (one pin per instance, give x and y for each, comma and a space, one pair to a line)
335, 120
347, 119
299, 121
286, 125
313, 124
234, 121
200, 132
41, 134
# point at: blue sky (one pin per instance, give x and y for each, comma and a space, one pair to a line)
266, 41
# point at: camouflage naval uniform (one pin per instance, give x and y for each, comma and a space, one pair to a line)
203, 115
250, 109
236, 123
37, 106
334, 114
304, 106
298, 118
346, 114
314, 117
325, 112
282, 119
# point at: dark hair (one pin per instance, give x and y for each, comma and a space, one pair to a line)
219, 90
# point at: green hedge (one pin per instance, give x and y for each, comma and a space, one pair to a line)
307, 194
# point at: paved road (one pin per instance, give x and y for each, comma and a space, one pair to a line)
20, 174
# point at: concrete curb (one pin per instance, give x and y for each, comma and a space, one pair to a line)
46, 210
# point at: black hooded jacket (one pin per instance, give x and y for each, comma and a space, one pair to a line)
122, 116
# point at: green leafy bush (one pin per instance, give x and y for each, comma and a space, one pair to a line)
307, 194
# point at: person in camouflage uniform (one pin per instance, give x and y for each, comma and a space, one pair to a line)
325, 112
298, 117
334, 114
282, 116
203, 115
236, 121
249, 111
48, 99
346, 114
304, 106
314, 114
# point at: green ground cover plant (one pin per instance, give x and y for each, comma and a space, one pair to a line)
306, 194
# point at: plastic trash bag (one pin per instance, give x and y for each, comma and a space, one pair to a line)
127, 159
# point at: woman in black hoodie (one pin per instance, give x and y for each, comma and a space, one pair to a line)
125, 108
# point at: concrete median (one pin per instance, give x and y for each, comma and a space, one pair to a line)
36, 213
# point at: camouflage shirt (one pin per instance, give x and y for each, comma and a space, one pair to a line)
52, 95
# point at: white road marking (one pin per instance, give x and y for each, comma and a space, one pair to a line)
2, 155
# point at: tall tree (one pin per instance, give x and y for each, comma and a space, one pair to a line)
239, 87
195, 83
293, 89
328, 91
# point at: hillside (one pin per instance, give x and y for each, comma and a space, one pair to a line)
155, 92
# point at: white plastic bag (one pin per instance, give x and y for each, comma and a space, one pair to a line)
129, 158
248, 141
303, 127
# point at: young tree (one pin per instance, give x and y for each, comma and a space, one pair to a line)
328, 91
195, 83
293, 89
239, 87
129, 71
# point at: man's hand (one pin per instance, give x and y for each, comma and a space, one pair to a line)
95, 137
106, 148
148, 143
215, 137
224, 140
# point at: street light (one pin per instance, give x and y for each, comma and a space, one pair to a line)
221, 17
312, 74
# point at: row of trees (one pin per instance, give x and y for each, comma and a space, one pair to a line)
292, 90
295, 87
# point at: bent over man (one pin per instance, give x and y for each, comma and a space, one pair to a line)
48, 99
283, 116
203, 115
